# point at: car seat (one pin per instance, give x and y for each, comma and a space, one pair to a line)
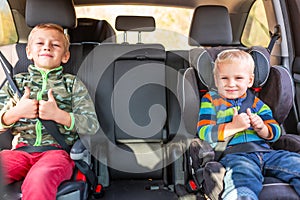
272, 84
42, 12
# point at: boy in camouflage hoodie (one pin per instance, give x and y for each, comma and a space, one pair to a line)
48, 94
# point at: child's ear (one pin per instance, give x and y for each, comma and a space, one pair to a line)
28, 53
251, 80
66, 57
216, 80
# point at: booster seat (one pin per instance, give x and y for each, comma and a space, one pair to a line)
268, 79
273, 85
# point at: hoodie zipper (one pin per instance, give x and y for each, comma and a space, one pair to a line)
38, 125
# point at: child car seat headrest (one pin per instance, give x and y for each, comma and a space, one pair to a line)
61, 12
202, 59
213, 32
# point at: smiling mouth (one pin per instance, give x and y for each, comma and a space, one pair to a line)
231, 91
46, 55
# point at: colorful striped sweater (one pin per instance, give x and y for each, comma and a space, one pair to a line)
216, 111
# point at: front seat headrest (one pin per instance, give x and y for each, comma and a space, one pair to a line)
210, 26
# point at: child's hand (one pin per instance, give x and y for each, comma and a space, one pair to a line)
258, 125
240, 122
26, 107
48, 109
256, 122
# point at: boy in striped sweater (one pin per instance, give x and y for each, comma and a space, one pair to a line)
219, 120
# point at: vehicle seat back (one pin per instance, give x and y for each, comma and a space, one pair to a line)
131, 103
90, 30
130, 100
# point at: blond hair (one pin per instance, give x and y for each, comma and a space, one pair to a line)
235, 56
52, 27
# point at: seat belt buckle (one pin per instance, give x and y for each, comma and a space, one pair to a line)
80, 176
98, 192
192, 187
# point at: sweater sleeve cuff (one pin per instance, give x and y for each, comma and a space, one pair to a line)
270, 131
72, 123
2, 125
221, 132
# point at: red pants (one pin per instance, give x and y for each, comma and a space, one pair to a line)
42, 172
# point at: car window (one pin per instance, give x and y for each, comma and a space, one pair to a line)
8, 33
172, 24
256, 31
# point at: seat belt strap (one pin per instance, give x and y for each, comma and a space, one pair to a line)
5, 65
53, 130
274, 37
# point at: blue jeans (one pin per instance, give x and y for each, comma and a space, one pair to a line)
245, 172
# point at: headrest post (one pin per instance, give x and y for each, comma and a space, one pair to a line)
139, 37
125, 37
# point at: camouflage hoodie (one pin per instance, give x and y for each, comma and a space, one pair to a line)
71, 96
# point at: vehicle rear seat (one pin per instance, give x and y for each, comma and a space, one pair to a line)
138, 126
129, 86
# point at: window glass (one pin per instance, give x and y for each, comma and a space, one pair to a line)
256, 30
8, 33
172, 24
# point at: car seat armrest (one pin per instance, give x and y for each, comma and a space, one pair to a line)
289, 142
78, 151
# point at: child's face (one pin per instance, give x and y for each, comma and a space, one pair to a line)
47, 49
233, 79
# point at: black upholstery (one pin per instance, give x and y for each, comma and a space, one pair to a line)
135, 23
92, 30
128, 121
210, 26
60, 12
128, 83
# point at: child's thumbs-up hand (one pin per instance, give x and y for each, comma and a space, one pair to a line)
240, 121
256, 122
26, 107
48, 109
